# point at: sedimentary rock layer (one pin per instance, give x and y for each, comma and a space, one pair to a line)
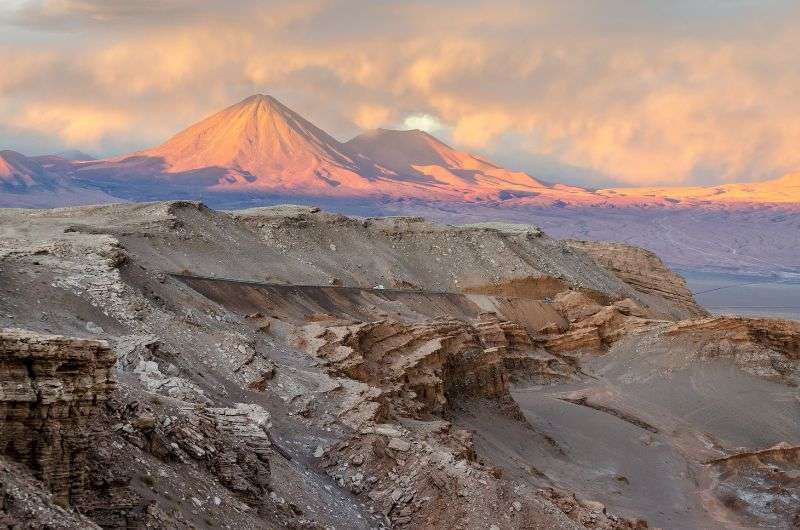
642, 270
50, 388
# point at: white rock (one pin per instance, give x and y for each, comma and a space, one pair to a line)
399, 445
91, 327
384, 429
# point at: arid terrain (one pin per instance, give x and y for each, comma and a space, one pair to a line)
167, 365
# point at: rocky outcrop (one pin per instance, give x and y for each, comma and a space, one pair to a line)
427, 475
429, 367
593, 327
51, 387
760, 485
575, 305
589, 514
765, 347
645, 272
443, 483
25, 503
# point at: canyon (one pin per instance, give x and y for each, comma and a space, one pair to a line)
168, 365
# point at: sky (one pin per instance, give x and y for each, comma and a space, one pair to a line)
645, 92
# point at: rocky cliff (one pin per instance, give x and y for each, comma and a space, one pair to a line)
430, 368
644, 271
51, 387
765, 347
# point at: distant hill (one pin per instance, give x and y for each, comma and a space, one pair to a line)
28, 182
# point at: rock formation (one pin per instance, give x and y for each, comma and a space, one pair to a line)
764, 347
644, 271
428, 368
593, 327
367, 373
51, 387
769, 475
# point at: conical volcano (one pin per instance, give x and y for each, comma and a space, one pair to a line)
399, 151
267, 144
258, 144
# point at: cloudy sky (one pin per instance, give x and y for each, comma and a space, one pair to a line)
591, 92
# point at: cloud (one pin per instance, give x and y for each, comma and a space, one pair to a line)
73, 14
423, 122
647, 93
75, 126
372, 116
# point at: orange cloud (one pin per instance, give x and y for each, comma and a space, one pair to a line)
76, 126
372, 116
479, 129
641, 95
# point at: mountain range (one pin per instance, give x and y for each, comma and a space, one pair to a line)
259, 151
261, 146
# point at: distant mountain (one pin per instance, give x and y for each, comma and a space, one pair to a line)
27, 182
75, 155
417, 156
19, 174
259, 151
783, 190
261, 147
256, 145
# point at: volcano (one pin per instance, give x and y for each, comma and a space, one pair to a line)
418, 156
261, 146
258, 144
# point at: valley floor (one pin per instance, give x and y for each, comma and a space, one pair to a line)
745, 295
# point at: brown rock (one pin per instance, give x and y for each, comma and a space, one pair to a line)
50, 388
645, 272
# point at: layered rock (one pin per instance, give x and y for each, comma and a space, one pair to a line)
644, 271
25, 503
760, 485
51, 387
593, 327
764, 347
522, 359
428, 367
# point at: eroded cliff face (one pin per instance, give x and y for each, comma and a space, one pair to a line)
593, 327
764, 347
428, 368
51, 388
645, 272
26, 503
